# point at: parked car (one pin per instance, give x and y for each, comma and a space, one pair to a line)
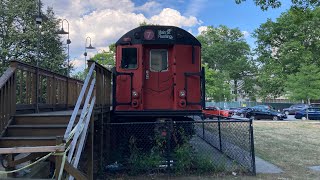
294, 108
263, 107
210, 112
242, 111
265, 114
313, 113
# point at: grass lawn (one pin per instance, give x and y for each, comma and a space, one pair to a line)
291, 145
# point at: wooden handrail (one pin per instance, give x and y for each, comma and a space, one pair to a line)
23, 87
79, 101
103, 86
7, 97
42, 71
6, 76
79, 132
38, 87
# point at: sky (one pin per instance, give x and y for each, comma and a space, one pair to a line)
104, 21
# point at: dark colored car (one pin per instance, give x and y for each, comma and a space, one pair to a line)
265, 114
242, 111
263, 107
313, 113
294, 108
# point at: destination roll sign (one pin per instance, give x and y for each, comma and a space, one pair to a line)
159, 34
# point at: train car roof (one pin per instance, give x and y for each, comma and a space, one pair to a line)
158, 35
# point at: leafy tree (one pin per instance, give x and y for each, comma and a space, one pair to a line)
266, 4
284, 45
19, 36
226, 51
217, 86
305, 84
106, 58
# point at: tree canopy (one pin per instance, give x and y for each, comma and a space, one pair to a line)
106, 58
19, 36
283, 45
226, 51
266, 4
305, 84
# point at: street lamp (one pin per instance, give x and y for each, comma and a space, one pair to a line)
85, 50
38, 24
62, 31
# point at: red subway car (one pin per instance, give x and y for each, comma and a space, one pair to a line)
158, 73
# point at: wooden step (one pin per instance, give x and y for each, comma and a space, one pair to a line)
36, 130
38, 120
27, 141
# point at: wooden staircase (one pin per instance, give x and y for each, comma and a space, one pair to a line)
57, 134
36, 129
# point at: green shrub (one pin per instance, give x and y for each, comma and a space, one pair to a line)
184, 158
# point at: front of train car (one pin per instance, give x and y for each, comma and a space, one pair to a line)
158, 73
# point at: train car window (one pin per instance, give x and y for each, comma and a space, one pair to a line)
129, 58
158, 60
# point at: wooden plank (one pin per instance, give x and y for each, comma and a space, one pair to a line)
83, 90
7, 142
42, 71
33, 89
14, 89
6, 97
71, 170
90, 148
20, 120
13, 131
6, 75
28, 88
10, 159
48, 88
27, 158
20, 87
58, 159
83, 137
26, 149
1, 109
83, 115
74, 172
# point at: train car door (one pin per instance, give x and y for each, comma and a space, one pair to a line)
158, 83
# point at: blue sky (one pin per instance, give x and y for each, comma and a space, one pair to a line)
106, 20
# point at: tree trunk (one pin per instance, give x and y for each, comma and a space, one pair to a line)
235, 90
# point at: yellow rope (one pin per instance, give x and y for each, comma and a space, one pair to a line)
64, 154
29, 165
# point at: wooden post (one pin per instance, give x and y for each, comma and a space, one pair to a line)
101, 140
108, 139
58, 159
90, 148
10, 160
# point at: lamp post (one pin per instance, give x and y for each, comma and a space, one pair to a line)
62, 31
85, 50
38, 24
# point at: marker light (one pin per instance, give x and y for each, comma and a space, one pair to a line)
135, 94
182, 93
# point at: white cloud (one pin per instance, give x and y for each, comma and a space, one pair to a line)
107, 20
245, 34
173, 17
151, 7
202, 29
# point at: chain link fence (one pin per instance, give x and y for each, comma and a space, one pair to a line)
232, 137
180, 147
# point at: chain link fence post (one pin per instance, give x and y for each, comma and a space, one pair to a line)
252, 149
169, 133
219, 129
203, 129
